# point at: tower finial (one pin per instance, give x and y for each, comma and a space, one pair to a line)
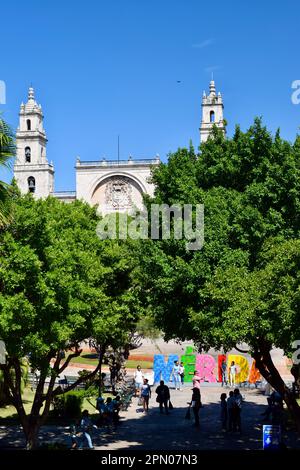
212, 87
31, 93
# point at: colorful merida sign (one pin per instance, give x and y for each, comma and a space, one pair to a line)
206, 366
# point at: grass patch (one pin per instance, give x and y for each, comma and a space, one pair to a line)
8, 413
91, 359
132, 364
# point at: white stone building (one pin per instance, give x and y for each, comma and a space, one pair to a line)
212, 112
115, 185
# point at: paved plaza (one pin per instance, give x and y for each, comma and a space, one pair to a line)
153, 431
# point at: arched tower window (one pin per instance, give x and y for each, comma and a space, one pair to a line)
212, 116
28, 154
28, 124
31, 184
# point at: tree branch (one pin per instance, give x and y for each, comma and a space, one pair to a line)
68, 360
242, 350
60, 391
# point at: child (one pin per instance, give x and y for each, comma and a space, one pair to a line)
223, 411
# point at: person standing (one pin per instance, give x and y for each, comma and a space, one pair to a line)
196, 405
237, 410
224, 411
176, 375
232, 374
145, 395
181, 372
224, 372
113, 368
138, 379
196, 380
230, 410
163, 396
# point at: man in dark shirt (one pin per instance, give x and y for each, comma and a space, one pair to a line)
196, 404
163, 396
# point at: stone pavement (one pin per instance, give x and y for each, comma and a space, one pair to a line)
153, 431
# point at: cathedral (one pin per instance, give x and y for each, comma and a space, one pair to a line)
115, 185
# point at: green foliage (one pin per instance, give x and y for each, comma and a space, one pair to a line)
7, 152
243, 285
91, 385
60, 283
68, 405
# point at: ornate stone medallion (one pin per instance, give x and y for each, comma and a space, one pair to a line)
118, 193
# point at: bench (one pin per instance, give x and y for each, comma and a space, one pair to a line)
70, 380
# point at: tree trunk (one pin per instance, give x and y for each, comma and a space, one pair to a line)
268, 370
31, 431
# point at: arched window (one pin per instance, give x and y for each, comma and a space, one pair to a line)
31, 184
28, 124
212, 116
28, 154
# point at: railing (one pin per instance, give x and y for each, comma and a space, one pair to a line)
144, 161
64, 194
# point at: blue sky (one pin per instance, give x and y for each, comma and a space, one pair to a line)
103, 68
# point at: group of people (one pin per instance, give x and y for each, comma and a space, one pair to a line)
229, 373
108, 410
231, 409
81, 432
143, 391
177, 375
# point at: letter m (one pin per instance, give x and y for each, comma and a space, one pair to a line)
162, 369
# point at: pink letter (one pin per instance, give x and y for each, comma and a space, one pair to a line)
205, 365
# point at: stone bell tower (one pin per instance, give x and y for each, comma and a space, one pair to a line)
32, 171
212, 112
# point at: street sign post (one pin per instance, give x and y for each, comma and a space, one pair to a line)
271, 437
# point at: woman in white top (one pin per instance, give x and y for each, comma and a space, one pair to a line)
138, 378
232, 374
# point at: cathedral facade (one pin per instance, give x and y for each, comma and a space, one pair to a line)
115, 185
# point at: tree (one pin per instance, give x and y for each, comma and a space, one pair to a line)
59, 285
7, 152
240, 287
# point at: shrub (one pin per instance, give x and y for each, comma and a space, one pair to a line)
68, 405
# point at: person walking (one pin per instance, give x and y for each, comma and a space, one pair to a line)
196, 405
145, 395
224, 372
163, 396
176, 375
224, 411
138, 379
232, 374
86, 427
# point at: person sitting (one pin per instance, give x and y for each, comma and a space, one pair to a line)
275, 402
116, 408
109, 408
102, 408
